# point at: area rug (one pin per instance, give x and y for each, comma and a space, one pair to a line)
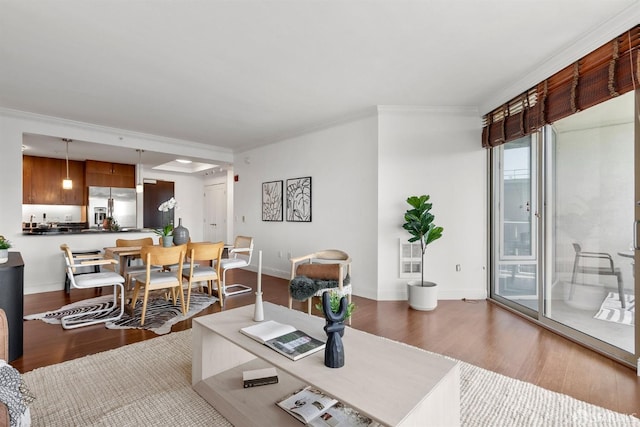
153, 387
612, 311
161, 314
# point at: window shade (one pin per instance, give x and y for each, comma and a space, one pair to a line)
611, 70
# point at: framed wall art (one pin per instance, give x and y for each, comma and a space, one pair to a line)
272, 201
299, 199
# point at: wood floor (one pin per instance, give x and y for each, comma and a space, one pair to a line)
477, 332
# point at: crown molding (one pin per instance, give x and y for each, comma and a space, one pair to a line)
117, 134
422, 109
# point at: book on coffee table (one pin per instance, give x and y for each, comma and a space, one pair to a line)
285, 339
314, 408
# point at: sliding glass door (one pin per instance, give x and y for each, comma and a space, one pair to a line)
589, 195
515, 227
570, 264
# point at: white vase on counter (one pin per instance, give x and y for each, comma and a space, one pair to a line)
4, 255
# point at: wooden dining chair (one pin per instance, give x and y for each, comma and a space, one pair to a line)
198, 253
129, 270
152, 279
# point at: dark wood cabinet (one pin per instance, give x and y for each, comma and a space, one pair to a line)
46, 182
42, 181
105, 174
27, 168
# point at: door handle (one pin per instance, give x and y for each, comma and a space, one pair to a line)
635, 235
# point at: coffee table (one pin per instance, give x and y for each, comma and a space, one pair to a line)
393, 383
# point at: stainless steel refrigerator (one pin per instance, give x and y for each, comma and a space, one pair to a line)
117, 203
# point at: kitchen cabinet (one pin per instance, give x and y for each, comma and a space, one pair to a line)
106, 174
42, 181
27, 170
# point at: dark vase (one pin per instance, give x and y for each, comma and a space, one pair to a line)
180, 234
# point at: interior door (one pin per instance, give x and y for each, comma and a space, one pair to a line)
215, 217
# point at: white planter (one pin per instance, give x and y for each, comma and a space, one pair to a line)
4, 255
424, 298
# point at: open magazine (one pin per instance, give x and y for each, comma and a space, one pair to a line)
307, 404
314, 408
284, 339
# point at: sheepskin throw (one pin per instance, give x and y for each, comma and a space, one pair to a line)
303, 287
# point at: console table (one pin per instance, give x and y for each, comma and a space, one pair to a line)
12, 301
392, 383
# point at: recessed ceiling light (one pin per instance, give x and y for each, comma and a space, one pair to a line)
183, 161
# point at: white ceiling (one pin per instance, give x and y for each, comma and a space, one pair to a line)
239, 74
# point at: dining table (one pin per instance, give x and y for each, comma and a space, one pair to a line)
126, 253
123, 254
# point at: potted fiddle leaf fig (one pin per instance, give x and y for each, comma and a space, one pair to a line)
423, 295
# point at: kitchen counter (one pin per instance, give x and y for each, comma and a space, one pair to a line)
54, 231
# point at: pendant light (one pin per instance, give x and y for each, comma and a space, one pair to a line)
67, 183
139, 186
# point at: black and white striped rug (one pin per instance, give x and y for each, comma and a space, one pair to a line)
161, 313
612, 311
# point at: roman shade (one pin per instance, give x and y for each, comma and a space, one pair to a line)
611, 70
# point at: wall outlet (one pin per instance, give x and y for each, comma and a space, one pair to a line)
279, 254
458, 267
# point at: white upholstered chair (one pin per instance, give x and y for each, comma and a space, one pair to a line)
92, 280
239, 257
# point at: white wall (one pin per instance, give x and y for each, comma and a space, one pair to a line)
342, 162
436, 152
41, 254
362, 172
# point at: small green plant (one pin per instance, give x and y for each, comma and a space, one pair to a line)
334, 300
113, 225
164, 231
4, 243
